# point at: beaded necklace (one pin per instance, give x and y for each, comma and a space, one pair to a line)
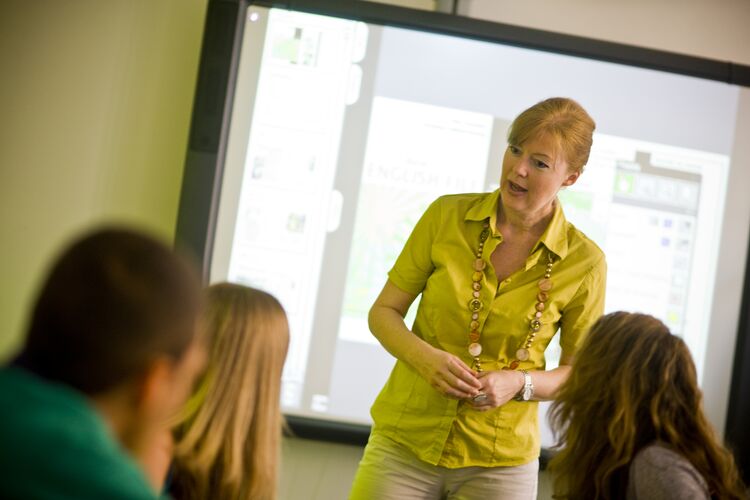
475, 305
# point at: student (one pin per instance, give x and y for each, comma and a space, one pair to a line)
631, 422
227, 443
109, 355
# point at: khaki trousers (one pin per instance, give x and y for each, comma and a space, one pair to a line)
388, 471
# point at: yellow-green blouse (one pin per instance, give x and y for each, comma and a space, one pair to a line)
437, 262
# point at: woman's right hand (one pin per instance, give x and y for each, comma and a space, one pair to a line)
448, 374
444, 371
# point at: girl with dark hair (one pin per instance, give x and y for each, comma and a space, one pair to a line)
630, 420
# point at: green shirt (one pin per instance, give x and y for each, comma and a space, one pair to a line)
54, 445
437, 261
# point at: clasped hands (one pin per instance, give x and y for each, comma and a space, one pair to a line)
450, 376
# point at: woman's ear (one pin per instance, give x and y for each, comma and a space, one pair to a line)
571, 178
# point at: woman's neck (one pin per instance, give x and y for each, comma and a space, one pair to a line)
510, 221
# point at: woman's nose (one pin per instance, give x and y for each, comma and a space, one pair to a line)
521, 166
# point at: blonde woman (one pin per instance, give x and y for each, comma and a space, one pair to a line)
498, 274
227, 444
631, 423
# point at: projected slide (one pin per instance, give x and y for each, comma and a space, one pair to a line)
411, 157
343, 134
286, 202
651, 208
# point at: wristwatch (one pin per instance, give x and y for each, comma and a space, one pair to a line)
527, 391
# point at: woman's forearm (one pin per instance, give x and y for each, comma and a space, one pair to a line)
547, 383
387, 325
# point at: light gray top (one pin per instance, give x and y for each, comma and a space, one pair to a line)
658, 473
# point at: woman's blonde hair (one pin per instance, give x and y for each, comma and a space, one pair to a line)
633, 383
228, 438
563, 119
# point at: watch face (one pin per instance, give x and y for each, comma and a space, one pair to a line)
526, 393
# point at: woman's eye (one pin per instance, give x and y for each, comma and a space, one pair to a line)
540, 164
514, 150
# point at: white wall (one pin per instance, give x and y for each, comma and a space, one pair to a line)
312, 470
705, 28
317, 470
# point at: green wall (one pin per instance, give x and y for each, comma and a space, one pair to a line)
95, 102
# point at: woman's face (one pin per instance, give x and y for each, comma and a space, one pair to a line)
533, 173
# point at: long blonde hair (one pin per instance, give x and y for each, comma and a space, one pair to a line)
228, 438
633, 383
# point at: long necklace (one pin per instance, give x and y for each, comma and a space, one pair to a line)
475, 305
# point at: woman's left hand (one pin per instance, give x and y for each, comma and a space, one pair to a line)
499, 387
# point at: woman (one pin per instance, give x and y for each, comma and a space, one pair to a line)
227, 443
498, 273
631, 422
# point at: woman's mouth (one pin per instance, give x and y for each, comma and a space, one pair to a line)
516, 188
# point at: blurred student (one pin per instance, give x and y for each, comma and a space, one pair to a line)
630, 420
227, 441
109, 355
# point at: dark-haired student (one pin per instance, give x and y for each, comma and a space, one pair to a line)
630, 420
110, 353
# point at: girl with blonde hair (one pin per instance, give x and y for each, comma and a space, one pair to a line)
227, 441
630, 420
